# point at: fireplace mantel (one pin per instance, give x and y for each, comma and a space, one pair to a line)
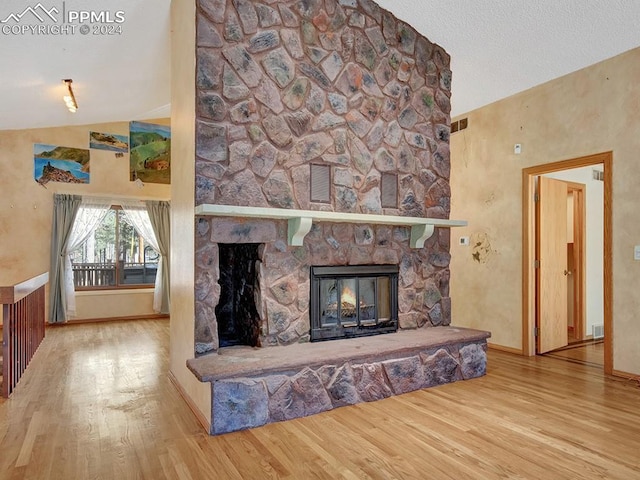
300, 221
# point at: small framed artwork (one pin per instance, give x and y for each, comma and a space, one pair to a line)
109, 141
150, 155
60, 164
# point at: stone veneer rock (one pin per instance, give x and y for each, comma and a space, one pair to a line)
248, 402
282, 85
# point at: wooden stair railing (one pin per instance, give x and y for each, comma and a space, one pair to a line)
23, 328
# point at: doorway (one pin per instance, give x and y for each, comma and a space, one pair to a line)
530, 255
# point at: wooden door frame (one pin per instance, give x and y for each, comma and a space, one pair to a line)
579, 255
528, 249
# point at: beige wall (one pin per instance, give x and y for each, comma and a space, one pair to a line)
182, 207
590, 111
26, 207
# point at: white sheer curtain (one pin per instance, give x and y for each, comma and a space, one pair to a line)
91, 212
137, 214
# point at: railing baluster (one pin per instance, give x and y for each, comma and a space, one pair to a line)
23, 328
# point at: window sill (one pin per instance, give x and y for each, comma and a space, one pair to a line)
114, 291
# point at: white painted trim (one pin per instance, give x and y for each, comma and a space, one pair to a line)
300, 221
102, 293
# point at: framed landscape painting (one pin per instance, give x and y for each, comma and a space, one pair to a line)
60, 164
150, 155
109, 141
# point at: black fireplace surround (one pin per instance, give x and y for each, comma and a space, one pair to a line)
353, 301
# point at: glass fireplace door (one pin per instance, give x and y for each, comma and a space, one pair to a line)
352, 301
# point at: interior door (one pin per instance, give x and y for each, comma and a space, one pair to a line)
552, 268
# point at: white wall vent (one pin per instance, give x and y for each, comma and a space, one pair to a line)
598, 331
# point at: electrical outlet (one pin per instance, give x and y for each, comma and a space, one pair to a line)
517, 148
464, 241
636, 252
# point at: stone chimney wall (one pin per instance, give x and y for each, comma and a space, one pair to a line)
342, 83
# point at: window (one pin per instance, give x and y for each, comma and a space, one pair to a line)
114, 256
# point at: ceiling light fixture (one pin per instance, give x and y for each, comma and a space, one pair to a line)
69, 98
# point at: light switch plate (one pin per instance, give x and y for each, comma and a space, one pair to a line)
636, 252
464, 241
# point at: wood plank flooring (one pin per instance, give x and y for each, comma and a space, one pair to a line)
96, 403
587, 353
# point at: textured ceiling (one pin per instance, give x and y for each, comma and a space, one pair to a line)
498, 48
502, 47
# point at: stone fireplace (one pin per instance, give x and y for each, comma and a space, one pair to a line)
321, 105
322, 166
281, 289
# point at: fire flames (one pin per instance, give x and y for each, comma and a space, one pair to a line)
348, 298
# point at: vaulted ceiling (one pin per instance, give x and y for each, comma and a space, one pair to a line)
498, 48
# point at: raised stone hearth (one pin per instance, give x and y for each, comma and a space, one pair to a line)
253, 387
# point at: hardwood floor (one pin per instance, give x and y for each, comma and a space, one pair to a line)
587, 353
96, 403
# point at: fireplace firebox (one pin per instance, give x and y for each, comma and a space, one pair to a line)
353, 301
238, 318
